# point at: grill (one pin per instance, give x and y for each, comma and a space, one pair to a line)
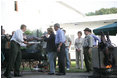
99, 68
104, 58
34, 53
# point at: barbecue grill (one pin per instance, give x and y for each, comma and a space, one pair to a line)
34, 53
99, 69
105, 56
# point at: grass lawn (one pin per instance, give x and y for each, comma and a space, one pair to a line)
72, 68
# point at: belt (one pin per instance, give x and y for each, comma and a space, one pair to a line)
86, 47
15, 42
94, 45
58, 44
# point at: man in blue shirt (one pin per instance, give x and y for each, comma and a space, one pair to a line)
95, 38
59, 41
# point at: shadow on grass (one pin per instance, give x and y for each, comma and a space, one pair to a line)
73, 68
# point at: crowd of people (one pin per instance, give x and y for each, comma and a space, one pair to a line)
58, 45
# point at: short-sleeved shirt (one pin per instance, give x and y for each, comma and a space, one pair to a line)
95, 39
68, 40
88, 41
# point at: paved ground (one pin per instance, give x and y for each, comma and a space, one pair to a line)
36, 74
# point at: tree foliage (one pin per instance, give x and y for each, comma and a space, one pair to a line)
103, 11
34, 32
28, 32
40, 33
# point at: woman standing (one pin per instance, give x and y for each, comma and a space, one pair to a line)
51, 49
79, 50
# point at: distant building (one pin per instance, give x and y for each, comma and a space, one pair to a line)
89, 21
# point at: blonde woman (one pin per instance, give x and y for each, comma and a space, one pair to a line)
51, 49
79, 50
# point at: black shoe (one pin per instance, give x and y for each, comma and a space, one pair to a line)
17, 75
7, 76
87, 71
60, 74
50, 73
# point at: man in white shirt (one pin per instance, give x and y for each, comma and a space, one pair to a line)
15, 53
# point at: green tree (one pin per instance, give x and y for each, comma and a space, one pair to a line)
40, 33
28, 32
103, 11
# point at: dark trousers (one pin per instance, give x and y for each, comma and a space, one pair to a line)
87, 58
14, 59
61, 59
